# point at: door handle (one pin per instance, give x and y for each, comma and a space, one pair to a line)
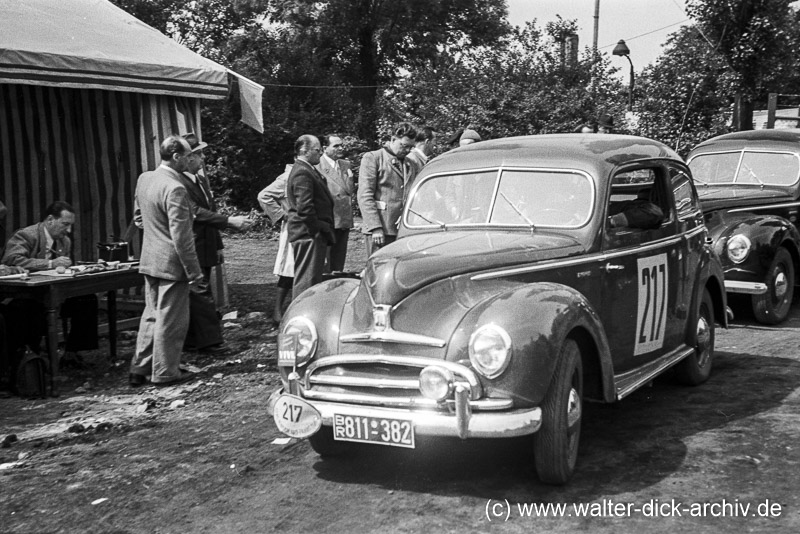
608, 267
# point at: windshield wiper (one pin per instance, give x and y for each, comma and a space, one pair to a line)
440, 224
513, 207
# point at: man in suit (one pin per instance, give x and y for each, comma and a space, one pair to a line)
383, 181
169, 264
423, 150
310, 220
41, 247
205, 330
341, 185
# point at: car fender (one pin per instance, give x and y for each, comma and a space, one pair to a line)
323, 305
766, 233
538, 318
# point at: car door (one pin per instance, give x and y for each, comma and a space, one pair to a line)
640, 268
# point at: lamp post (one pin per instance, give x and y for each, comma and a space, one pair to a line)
622, 50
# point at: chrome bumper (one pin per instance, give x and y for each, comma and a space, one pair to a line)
464, 423
747, 288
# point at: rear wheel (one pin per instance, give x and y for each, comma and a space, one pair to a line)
323, 443
696, 368
555, 445
773, 306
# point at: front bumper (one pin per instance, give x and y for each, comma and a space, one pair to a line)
464, 423
747, 288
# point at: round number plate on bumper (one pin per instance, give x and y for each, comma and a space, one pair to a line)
295, 417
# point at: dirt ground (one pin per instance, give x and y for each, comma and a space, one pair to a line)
205, 457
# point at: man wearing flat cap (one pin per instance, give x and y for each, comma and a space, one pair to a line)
205, 330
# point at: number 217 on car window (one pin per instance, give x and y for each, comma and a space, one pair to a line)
651, 314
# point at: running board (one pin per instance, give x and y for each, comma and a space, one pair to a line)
628, 382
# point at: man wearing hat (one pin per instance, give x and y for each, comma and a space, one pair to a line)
205, 331
605, 125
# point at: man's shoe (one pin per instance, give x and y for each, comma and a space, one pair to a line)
220, 348
136, 380
186, 376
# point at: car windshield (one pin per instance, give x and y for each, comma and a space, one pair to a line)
507, 197
746, 167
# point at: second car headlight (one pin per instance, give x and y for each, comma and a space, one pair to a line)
738, 248
306, 333
490, 350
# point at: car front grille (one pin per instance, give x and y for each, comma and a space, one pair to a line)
389, 381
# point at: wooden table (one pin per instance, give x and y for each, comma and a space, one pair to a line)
52, 291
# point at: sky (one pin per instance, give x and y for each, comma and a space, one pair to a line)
643, 24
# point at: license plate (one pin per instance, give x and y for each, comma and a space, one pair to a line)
295, 417
380, 430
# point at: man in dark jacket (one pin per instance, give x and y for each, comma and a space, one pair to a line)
310, 218
205, 331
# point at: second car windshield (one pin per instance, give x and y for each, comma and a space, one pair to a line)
749, 167
509, 197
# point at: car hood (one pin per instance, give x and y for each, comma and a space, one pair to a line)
715, 197
415, 261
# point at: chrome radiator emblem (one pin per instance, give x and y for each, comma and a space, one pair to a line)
380, 318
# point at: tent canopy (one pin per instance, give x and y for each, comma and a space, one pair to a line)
94, 44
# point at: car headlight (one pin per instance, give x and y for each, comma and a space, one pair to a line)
490, 350
436, 382
306, 334
738, 248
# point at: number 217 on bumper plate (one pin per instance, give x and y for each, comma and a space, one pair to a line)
379, 430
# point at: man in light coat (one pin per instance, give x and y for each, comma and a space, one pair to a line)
169, 263
341, 185
426, 137
383, 182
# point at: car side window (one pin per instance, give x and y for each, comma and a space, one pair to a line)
639, 208
686, 202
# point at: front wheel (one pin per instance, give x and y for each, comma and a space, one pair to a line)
555, 445
773, 306
696, 368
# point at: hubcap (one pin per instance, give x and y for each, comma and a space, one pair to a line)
573, 408
703, 341
781, 285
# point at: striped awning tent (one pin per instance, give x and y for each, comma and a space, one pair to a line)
87, 92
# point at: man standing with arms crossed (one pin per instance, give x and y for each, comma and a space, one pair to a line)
169, 263
342, 187
383, 183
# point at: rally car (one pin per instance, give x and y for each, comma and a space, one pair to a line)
514, 292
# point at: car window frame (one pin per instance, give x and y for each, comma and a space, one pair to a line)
741, 152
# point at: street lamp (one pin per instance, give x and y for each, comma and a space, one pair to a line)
622, 50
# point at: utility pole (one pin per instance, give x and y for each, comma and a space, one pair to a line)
596, 25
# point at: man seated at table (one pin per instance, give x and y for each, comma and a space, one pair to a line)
41, 247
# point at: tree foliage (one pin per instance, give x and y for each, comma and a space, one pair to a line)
524, 85
688, 92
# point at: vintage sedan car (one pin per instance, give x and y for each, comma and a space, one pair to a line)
749, 187
507, 300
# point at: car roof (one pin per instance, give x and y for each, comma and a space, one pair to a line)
596, 154
784, 139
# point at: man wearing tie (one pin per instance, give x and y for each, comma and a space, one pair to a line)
40, 247
342, 187
310, 220
205, 331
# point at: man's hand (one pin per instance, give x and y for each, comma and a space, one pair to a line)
10, 269
61, 261
377, 237
196, 279
240, 223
